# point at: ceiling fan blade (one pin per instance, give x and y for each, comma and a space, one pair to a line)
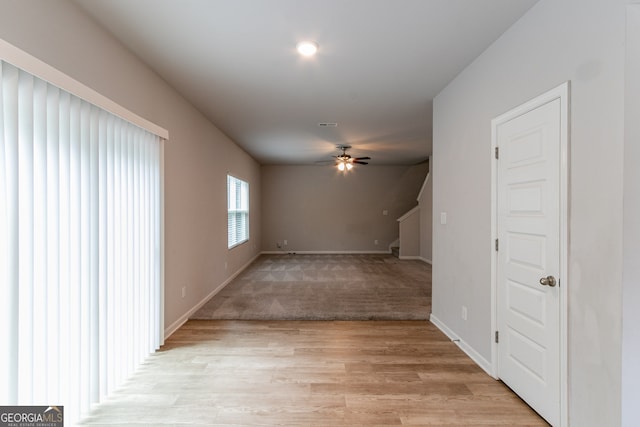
360, 163
362, 158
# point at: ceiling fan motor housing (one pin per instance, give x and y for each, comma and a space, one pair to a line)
346, 158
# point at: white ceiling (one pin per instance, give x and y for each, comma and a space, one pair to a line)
379, 65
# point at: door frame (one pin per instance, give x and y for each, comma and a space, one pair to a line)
560, 92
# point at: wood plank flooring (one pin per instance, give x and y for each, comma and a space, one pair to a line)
312, 373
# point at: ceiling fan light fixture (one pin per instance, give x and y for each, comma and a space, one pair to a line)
344, 162
307, 48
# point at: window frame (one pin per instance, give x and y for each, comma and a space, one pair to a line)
243, 209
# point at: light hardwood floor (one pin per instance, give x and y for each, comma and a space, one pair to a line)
310, 373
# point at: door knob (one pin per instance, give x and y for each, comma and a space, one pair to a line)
548, 281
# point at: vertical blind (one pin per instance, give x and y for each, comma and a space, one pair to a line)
238, 211
80, 255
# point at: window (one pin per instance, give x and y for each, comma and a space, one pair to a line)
238, 211
80, 245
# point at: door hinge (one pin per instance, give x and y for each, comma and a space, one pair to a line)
497, 337
496, 245
497, 152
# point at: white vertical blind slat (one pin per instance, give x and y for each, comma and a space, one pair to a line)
93, 392
10, 231
110, 325
79, 246
5, 314
53, 236
136, 220
129, 261
84, 255
119, 253
40, 211
103, 256
64, 246
75, 266
25, 230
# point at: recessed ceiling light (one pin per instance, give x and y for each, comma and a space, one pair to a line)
307, 48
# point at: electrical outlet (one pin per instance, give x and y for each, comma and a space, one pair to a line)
278, 245
375, 242
285, 243
184, 291
385, 212
464, 313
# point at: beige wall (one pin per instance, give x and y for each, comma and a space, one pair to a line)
426, 218
631, 230
556, 41
410, 234
197, 157
317, 208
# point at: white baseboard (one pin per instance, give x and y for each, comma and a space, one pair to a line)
324, 252
419, 258
444, 328
183, 319
409, 257
463, 345
476, 357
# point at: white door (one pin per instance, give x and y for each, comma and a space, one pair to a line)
528, 215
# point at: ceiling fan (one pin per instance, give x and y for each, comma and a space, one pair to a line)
345, 162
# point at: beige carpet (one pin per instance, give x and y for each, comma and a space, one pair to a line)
325, 287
